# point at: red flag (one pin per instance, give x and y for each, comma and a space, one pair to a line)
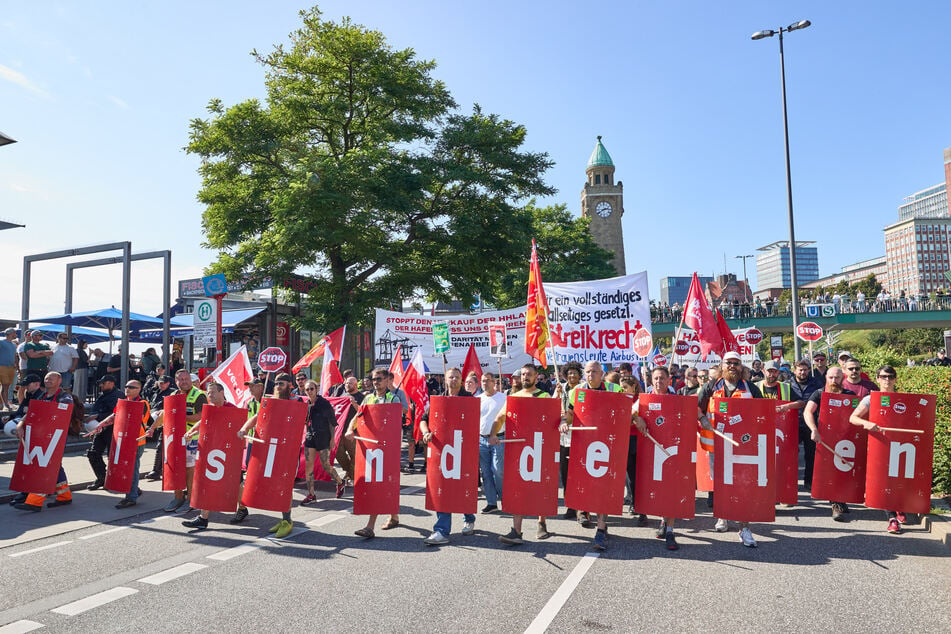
729, 341
699, 318
537, 335
472, 363
232, 375
330, 373
414, 384
396, 366
335, 341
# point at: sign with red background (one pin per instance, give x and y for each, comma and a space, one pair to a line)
833, 478
125, 433
173, 428
40, 455
376, 490
217, 480
270, 478
452, 456
665, 486
530, 485
745, 476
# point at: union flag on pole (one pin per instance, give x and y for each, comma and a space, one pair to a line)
334, 341
414, 384
472, 363
729, 341
699, 318
232, 375
396, 366
537, 334
330, 373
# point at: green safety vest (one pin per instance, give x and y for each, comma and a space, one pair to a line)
373, 399
608, 387
190, 399
784, 393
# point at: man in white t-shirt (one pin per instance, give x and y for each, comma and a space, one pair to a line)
491, 457
64, 359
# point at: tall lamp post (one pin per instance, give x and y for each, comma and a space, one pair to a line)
746, 280
759, 35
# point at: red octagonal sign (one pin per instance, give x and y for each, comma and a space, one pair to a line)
753, 336
682, 348
809, 331
642, 342
272, 359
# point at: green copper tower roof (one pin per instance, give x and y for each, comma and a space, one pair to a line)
600, 156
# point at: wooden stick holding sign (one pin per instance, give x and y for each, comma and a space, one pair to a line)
370, 440
659, 446
837, 454
571, 429
726, 438
252, 439
513, 440
907, 431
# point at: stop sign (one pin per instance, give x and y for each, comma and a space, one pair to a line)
642, 342
809, 331
272, 359
660, 359
682, 348
753, 336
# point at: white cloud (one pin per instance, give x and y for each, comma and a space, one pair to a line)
119, 102
20, 79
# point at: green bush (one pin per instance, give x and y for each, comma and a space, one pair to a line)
937, 381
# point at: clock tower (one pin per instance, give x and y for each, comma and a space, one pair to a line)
602, 200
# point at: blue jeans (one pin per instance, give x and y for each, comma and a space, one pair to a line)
491, 460
444, 522
134, 491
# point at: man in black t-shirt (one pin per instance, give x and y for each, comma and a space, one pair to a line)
834, 377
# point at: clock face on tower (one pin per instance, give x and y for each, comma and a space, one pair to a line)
603, 209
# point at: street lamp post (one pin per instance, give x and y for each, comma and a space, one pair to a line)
759, 35
746, 280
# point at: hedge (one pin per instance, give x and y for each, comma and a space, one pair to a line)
937, 381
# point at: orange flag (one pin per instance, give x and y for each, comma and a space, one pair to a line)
537, 335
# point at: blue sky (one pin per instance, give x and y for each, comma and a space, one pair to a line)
99, 96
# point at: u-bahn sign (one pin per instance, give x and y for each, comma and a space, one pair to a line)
819, 310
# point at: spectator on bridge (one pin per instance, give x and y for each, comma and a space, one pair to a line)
860, 302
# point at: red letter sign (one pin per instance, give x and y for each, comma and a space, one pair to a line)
787, 455
840, 479
173, 426
41, 452
269, 482
898, 477
125, 444
217, 476
745, 476
530, 485
452, 457
598, 460
664, 484
376, 470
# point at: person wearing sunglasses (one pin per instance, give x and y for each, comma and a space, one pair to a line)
886, 376
320, 420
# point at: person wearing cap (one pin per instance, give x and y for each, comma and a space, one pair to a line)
282, 390
163, 387
54, 393
771, 386
729, 385
30, 384
8, 368
820, 367
37, 353
195, 399
104, 406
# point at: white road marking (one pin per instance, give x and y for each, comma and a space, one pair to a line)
558, 600
155, 519
96, 600
105, 532
326, 519
236, 551
172, 573
19, 627
36, 550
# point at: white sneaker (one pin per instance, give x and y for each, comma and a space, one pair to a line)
436, 539
468, 528
722, 526
747, 537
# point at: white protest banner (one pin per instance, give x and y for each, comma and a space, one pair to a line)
589, 320
692, 356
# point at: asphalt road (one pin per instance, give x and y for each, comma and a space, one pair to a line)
140, 569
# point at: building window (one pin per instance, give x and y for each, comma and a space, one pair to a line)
597, 179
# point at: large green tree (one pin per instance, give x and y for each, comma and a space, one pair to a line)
566, 253
359, 170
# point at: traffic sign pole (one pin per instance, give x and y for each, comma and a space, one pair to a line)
220, 346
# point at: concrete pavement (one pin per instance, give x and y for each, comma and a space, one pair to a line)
101, 568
